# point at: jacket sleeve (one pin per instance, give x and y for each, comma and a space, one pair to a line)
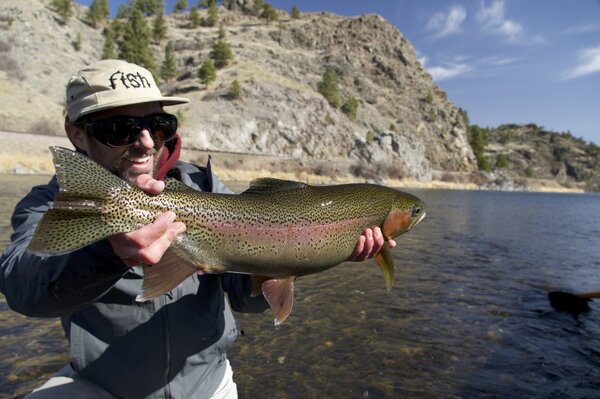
54, 285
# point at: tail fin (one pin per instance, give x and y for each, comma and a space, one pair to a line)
76, 218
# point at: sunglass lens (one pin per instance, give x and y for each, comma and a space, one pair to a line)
163, 127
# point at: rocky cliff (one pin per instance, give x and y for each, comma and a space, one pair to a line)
405, 126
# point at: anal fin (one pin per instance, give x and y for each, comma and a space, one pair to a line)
279, 293
386, 264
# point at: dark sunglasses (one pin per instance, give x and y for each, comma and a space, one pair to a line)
122, 131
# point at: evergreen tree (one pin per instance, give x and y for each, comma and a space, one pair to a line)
98, 12
221, 31
235, 90
159, 27
258, 7
180, 6
350, 108
148, 7
207, 72
478, 140
295, 13
206, 3
269, 13
108, 50
122, 12
213, 15
328, 87
221, 54
135, 45
168, 70
195, 20
64, 8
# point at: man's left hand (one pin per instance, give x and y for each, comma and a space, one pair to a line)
369, 244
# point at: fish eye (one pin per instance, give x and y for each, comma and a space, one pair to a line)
417, 211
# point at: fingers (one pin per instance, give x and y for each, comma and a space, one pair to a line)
147, 244
149, 184
369, 244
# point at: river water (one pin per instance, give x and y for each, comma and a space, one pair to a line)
468, 316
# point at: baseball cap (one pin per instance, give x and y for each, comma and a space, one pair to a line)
112, 83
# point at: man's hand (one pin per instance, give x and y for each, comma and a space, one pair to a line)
369, 243
147, 244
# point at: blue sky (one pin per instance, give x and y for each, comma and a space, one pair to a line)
504, 61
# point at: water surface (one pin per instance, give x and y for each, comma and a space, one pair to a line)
468, 316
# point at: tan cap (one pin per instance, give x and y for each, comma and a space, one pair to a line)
112, 83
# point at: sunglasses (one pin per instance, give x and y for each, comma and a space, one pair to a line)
123, 131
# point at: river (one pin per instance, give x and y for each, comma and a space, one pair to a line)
468, 316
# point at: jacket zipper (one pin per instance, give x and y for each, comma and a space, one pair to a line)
167, 344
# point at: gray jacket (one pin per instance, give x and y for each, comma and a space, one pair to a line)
171, 347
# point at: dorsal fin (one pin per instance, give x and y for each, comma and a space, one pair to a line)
266, 185
175, 185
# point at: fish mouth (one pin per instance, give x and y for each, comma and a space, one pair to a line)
417, 220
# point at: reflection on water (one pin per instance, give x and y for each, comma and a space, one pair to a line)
468, 316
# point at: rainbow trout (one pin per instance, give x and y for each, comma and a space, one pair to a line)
276, 229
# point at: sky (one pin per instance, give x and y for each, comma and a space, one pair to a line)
503, 61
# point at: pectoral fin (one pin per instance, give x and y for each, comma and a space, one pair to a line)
165, 275
386, 263
279, 293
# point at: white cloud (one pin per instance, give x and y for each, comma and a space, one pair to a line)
449, 71
447, 24
588, 63
493, 20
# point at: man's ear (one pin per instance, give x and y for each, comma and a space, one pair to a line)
76, 135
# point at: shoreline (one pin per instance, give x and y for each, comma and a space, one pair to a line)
28, 154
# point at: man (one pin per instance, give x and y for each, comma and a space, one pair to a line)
173, 346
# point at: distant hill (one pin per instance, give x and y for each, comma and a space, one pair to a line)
405, 126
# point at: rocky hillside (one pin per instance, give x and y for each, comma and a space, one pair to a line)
518, 153
405, 126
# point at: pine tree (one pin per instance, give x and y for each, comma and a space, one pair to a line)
258, 7
328, 87
180, 6
235, 90
148, 7
221, 54
295, 13
213, 15
168, 70
221, 34
159, 27
98, 12
122, 12
108, 50
64, 8
207, 72
350, 108
135, 46
194, 17
269, 13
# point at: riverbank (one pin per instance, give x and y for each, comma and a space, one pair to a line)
24, 153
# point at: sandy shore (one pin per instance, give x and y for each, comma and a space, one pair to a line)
24, 153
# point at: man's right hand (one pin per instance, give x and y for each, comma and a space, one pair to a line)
147, 244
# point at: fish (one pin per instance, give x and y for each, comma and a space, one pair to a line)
276, 230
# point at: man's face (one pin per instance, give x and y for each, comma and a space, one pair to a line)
128, 162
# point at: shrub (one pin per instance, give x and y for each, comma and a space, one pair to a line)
350, 108
207, 72
328, 87
221, 54
501, 160
235, 90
